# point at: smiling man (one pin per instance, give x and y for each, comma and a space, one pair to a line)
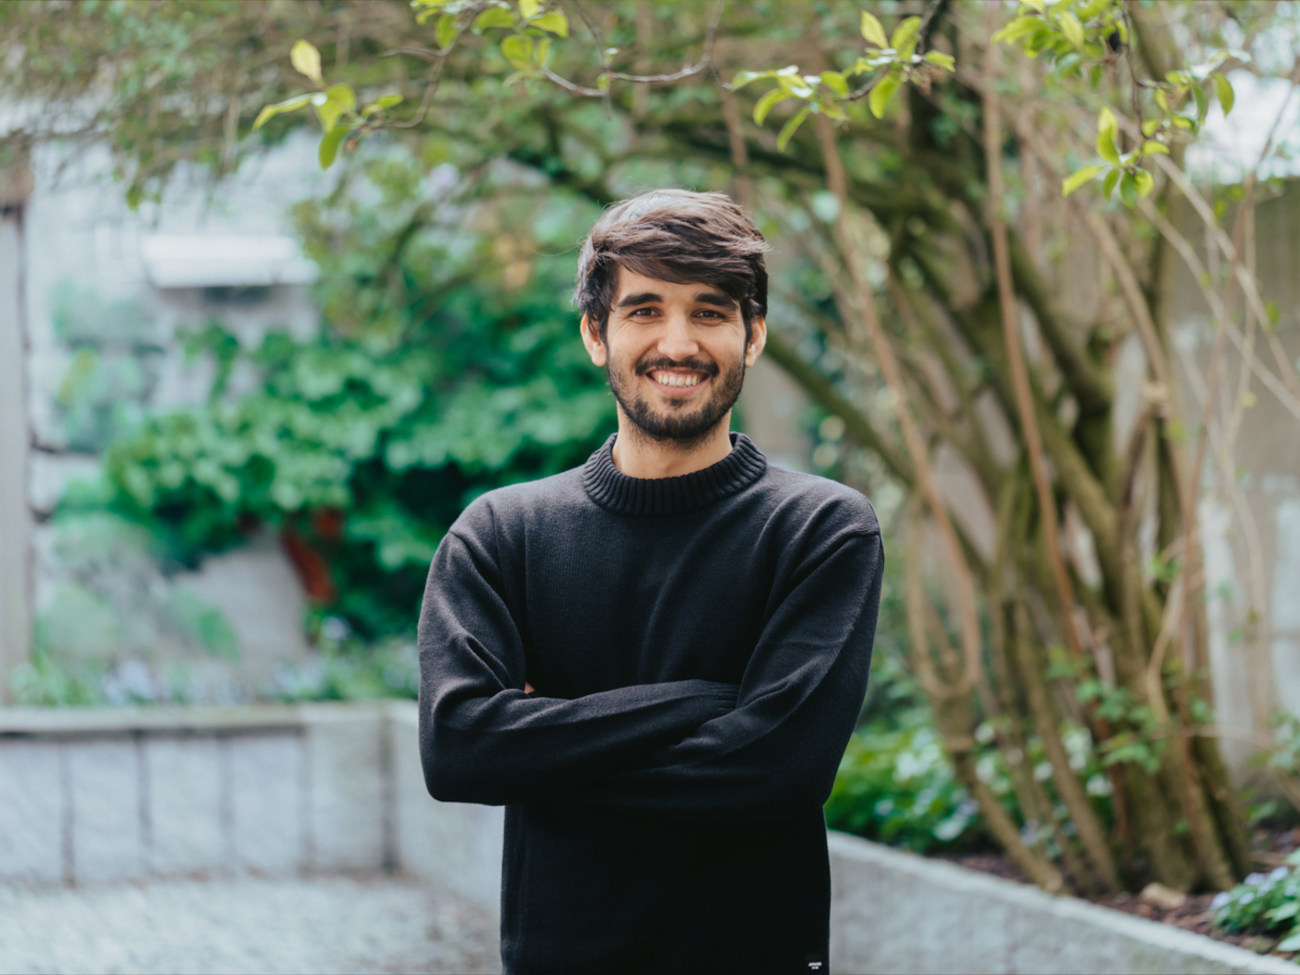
655, 660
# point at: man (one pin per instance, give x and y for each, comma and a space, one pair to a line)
655, 660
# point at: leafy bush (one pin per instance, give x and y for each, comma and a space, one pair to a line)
447, 364
1264, 904
341, 671
895, 785
349, 672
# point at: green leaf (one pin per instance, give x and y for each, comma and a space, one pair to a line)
939, 59
1223, 88
830, 109
1284, 912
873, 31
836, 82
381, 103
1292, 941
767, 102
288, 105
904, 33
1149, 127
1153, 148
306, 60
1145, 182
339, 99
882, 92
1112, 178
329, 145
795, 86
1107, 130
1128, 190
494, 17
1072, 29
446, 31
529, 8
790, 127
554, 22
1078, 178
743, 78
1202, 102
518, 50
1016, 29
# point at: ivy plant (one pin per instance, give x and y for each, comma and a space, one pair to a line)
431, 379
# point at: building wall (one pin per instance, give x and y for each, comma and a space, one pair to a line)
1252, 519
15, 543
104, 318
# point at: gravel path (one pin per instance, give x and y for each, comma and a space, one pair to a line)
366, 924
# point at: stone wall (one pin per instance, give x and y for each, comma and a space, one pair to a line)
90, 796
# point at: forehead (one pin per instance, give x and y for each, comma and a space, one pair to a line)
630, 283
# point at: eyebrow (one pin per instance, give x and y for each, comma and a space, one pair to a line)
704, 298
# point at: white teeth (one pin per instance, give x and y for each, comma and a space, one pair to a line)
674, 379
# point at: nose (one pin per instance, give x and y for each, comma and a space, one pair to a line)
677, 341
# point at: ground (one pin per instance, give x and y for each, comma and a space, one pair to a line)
363, 924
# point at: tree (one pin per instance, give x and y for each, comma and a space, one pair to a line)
921, 306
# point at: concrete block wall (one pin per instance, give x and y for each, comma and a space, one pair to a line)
903, 914
89, 796
452, 846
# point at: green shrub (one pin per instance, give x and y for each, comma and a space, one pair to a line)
447, 363
895, 785
1264, 903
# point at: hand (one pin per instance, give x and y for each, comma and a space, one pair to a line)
528, 688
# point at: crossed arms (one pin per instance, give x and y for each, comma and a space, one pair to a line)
691, 748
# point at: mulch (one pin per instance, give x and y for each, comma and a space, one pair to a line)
1193, 914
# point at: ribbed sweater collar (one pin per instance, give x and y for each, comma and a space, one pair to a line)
615, 491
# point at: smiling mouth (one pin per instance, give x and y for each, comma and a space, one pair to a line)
677, 380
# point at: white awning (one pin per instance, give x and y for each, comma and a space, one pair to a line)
224, 260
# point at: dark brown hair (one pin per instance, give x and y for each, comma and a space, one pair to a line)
678, 236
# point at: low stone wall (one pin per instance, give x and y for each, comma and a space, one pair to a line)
117, 795
113, 795
903, 914
452, 846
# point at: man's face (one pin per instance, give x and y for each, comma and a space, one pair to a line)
675, 355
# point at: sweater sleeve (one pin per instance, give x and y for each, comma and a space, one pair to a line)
483, 739
777, 751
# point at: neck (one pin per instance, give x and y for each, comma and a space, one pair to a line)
638, 455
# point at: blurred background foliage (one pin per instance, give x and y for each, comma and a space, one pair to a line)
431, 380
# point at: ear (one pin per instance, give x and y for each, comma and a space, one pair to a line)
757, 341
590, 338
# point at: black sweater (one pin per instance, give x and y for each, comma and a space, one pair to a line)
699, 646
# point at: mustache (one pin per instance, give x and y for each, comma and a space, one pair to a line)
696, 365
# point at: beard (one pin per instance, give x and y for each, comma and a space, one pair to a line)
679, 423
